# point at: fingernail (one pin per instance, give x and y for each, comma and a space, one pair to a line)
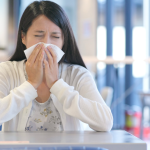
39, 45
43, 46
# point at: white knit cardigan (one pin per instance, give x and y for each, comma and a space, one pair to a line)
75, 96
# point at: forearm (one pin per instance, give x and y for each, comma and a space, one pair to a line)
13, 103
94, 113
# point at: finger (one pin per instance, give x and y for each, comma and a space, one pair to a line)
53, 54
39, 55
41, 58
34, 54
50, 58
46, 66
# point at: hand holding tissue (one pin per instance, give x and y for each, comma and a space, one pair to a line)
59, 53
35, 77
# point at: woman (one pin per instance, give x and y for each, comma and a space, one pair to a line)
59, 97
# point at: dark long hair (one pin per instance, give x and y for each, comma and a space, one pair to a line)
57, 15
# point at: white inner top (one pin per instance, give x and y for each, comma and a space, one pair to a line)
44, 117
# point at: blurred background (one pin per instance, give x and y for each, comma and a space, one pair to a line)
113, 38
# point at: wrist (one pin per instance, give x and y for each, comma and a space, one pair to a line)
52, 84
33, 84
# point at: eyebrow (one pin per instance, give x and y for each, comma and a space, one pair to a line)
40, 31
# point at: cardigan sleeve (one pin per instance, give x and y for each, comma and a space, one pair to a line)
13, 101
84, 102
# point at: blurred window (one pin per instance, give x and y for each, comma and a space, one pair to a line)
139, 32
4, 24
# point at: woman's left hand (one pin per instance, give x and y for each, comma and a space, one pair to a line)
51, 67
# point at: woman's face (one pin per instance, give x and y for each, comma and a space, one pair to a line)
43, 30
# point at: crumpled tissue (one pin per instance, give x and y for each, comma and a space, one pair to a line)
59, 53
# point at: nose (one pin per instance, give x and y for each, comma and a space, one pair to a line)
46, 39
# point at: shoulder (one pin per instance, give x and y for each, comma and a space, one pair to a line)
6, 66
10, 66
73, 68
75, 74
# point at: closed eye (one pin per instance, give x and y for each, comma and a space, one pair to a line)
38, 35
56, 37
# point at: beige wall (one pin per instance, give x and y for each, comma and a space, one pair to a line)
87, 28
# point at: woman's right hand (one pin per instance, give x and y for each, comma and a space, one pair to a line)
34, 66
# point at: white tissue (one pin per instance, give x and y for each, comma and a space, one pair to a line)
59, 53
